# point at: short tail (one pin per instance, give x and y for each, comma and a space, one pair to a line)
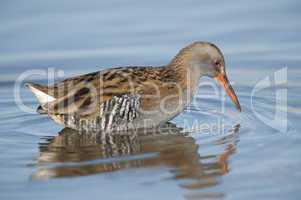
40, 93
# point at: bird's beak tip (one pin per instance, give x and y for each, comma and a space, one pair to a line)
222, 80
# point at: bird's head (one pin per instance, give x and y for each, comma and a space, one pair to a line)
206, 59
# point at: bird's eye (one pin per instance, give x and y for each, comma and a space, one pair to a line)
217, 63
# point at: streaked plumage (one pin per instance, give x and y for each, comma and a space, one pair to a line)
131, 97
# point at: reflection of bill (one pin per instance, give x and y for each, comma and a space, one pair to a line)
80, 154
279, 120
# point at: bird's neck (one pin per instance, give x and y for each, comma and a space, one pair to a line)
186, 74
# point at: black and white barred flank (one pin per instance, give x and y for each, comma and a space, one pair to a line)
117, 114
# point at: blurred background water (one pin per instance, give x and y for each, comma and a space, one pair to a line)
251, 159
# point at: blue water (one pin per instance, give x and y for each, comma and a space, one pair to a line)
251, 156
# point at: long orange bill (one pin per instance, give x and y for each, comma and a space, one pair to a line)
222, 80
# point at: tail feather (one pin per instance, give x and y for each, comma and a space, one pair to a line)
40, 92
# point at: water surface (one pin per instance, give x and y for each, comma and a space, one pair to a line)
242, 157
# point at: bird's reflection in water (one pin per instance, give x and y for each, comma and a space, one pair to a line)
72, 153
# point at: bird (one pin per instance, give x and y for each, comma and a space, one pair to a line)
133, 97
